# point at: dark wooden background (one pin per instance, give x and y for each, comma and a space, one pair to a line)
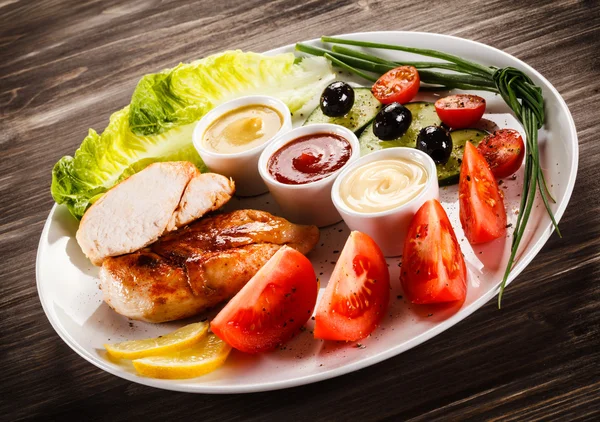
66, 65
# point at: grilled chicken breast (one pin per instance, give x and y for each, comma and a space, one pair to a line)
199, 266
137, 211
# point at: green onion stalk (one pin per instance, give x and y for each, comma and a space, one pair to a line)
516, 88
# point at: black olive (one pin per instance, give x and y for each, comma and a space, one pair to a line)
436, 142
392, 122
337, 99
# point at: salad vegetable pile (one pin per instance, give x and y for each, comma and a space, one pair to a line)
516, 88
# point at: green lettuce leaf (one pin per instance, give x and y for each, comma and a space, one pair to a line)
158, 124
184, 94
104, 160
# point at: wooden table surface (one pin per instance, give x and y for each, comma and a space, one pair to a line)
66, 65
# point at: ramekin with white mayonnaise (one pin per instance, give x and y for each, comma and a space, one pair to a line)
380, 193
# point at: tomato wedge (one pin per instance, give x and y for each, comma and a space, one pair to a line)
272, 306
504, 150
482, 212
358, 294
433, 269
461, 110
399, 85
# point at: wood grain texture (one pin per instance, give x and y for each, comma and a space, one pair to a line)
66, 65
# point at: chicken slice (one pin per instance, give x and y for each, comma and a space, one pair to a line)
137, 211
172, 282
204, 193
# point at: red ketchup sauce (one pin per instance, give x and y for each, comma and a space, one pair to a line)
309, 158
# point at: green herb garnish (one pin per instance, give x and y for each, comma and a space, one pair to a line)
516, 88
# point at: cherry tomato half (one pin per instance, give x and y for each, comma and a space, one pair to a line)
482, 212
358, 293
504, 151
433, 269
461, 110
399, 85
272, 306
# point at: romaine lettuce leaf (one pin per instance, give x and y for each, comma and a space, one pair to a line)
184, 94
104, 160
158, 124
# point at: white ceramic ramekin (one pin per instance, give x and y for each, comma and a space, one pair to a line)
240, 166
309, 203
387, 228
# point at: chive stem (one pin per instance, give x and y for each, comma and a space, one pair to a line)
360, 55
349, 60
429, 76
350, 69
483, 70
419, 65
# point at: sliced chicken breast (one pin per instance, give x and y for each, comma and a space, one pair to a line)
137, 211
199, 266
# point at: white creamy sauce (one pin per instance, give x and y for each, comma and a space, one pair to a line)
383, 185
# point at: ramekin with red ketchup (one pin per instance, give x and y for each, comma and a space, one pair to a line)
300, 166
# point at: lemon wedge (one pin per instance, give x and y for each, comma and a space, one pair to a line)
180, 339
204, 357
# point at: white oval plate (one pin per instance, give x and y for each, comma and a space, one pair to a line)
69, 292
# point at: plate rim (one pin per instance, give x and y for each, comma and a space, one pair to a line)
525, 259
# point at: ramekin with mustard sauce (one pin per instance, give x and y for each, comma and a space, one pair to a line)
231, 137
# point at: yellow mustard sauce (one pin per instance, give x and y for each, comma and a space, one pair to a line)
242, 129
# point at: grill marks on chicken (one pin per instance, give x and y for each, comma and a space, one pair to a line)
233, 230
199, 266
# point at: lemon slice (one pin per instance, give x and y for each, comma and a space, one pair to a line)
177, 340
204, 357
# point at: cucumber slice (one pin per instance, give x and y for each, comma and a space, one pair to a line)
364, 110
448, 174
423, 115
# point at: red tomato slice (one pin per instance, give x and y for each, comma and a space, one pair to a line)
461, 110
433, 269
399, 85
482, 212
272, 306
504, 150
358, 294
